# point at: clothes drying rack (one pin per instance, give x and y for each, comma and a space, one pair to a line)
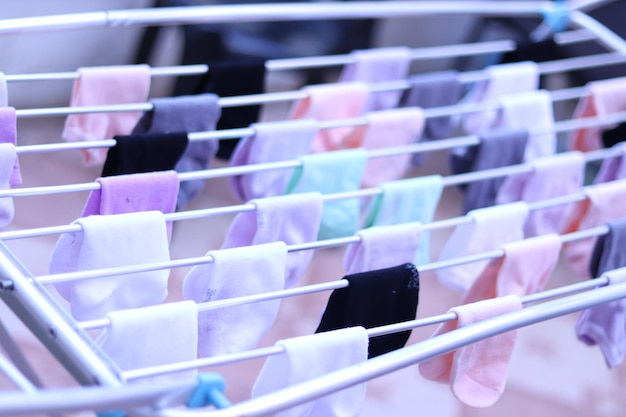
102, 388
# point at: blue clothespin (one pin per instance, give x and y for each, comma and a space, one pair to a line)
111, 414
210, 391
555, 19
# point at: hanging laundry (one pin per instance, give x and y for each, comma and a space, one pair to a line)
486, 230
122, 84
384, 129
383, 247
372, 299
524, 269
533, 111
332, 172
330, 102
409, 200
187, 114
106, 242
134, 192
436, 89
131, 193
311, 356
292, 219
144, 153
498, 148
604, 202
234, 78
553, 176
4, 98
476, 373
233, 273
602, 98
271, 142
605, 324
8, 134
7, 158
501, 81
375, 66
613, 168
198, 113
152, 336
608, 252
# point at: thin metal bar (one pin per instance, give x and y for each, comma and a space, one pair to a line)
16, 376
97, 398
49, 324
605, 36
154, 72
574, 36
268, 13
14, 352
430, 52
587, 5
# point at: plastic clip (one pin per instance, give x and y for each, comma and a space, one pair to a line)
557, 17
210, 391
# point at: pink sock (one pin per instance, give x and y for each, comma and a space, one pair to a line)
386, 129
121, 84
328, 102
477, 373
488, 228
603, 98
524, 269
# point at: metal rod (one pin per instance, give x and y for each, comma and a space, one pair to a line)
154, 72
429, 52
604, 35
16, 376
268, 13
50, 325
